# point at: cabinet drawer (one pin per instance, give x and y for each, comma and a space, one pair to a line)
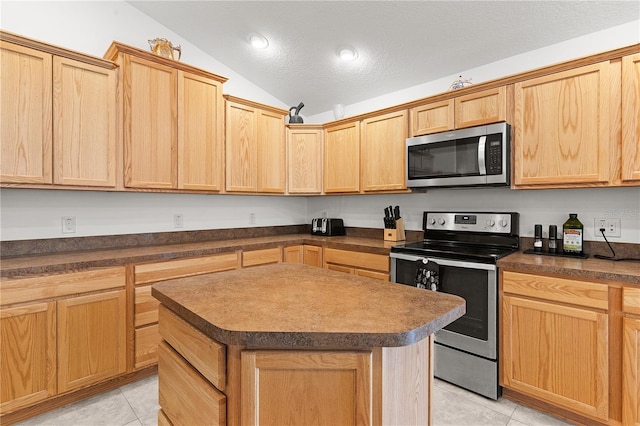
185, 396
555, 289
17, 290
372, 274
356, 259
261, 257
205, 354
631, 300
147, 339
159, 271
146, 306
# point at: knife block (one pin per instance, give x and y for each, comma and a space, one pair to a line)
396, 234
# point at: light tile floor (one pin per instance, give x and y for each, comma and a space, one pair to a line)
136, 404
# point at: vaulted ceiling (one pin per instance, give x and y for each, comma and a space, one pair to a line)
400, 43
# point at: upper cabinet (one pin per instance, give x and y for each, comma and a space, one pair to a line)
304, 158
342, 158
383, 152
172, 122
562, 128
474, 109
255, 147
58, 115
631, 119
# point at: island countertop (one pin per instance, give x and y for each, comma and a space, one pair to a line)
299, 306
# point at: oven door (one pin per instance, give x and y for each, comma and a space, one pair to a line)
476, 283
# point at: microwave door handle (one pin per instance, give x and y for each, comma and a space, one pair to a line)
482, 166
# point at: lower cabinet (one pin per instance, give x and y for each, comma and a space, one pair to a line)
631, 357
282, 387
59, 333
202, 381
91, 339
306, 254
555, 341
261, 257
357, 263
146, 306
28, 363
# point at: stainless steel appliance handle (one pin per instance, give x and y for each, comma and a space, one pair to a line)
445, 262
482, 166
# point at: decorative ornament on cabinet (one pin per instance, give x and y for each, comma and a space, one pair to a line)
163, 47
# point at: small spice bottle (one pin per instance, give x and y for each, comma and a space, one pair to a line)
573, 235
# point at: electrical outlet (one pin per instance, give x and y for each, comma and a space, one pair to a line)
68, 224
611, 226
178, 221
252, 218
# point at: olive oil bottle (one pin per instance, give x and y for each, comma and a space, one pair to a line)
573, 233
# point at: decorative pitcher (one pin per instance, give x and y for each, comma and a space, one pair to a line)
163, 47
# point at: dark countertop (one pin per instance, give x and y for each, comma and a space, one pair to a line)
299, 306
60, 255
59, 262
627, 272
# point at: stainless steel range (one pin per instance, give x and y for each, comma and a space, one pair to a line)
458, 256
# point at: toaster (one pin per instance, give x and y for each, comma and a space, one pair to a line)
327, 226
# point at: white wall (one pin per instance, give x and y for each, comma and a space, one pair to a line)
91, 26
546, 207
34, 214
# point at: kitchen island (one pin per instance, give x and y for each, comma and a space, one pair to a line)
294, 344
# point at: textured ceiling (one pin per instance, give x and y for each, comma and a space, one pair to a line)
400, 43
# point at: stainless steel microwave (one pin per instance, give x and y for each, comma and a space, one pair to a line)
476, 156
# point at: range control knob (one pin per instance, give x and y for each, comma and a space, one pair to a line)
503, 223
490, 222
441, 221
432, 221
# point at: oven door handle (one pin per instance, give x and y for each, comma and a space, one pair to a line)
445, 262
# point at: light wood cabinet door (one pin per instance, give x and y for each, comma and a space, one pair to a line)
433, 117
241, 149
631, 372
313, 255
271, 153
150, 124
562, 128
485, 107
556, 353
306, 387
631, 118
383, 152
84, 123
200, 133
25, 115
91, 339
28, 361
293, 254
304, 158
342, 158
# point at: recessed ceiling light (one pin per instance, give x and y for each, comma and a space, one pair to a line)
348, 54
258, 41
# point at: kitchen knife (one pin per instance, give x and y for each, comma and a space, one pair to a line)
396, 212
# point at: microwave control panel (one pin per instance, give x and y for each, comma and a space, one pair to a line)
494, 155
